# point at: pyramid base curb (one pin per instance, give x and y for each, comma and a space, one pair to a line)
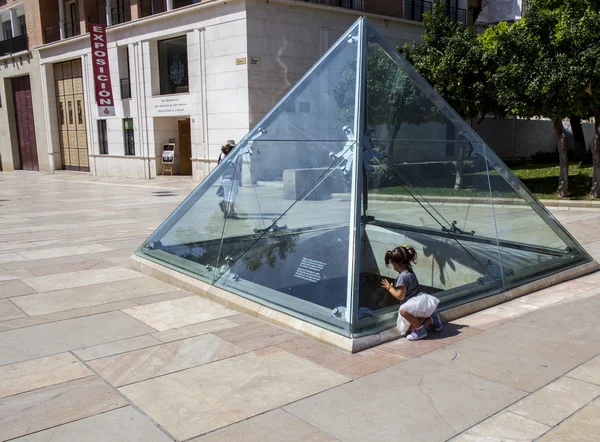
319, 334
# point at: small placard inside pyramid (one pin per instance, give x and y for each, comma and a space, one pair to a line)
361, 156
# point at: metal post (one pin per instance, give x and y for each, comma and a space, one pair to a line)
61, 19
107, 12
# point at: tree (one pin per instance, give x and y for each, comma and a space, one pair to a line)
453, 61
580, 28
539, 73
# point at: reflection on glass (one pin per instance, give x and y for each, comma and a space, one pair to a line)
341, 171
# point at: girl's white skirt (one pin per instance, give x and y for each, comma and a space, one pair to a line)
420, 306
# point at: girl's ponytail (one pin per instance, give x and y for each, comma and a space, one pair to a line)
388, 257
412, 254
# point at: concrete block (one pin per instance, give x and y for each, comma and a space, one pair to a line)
296, 182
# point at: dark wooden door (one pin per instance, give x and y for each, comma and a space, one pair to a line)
185, 148
21, 87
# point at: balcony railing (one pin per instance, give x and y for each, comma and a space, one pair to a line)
151, 7
349, 4
457, 14
71, 29
14, 45
120, 14
125, 88
414, 10
51, 34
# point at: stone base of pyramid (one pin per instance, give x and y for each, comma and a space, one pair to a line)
319, 334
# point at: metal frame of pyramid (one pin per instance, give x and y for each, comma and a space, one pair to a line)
241, 261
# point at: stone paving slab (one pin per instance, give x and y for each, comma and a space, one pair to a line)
201, 399
531, 357
79, 279
114, 348
256, 335
583, 426
57, 337
39, 373
201, 328
103, 293
9, 310
40, 409
179, 312
423, 402
584, 312
504, 427
352, 366
554, 402
120, 425
158, 360
65, 268
274, 426
588, 371
63, 251
30, 321
9, 289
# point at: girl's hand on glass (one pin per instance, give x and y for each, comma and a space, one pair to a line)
386, 284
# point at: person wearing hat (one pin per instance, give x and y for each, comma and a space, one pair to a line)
231, 181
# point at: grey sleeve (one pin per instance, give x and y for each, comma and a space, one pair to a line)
403, 280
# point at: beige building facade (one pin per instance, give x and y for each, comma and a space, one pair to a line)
189, 75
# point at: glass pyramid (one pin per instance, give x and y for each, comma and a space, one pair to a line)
362, 155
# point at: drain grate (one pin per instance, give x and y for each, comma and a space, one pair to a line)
164, 193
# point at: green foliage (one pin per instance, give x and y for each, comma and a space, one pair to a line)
391, 96
453, 61
546, 61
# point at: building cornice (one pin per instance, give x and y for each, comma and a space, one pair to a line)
212, 3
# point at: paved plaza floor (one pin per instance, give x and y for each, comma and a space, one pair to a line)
93, 351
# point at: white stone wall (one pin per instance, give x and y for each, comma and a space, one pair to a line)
16, 67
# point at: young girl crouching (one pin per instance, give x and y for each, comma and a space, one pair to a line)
417, 308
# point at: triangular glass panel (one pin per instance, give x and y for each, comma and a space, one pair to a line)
430, 182
361, 156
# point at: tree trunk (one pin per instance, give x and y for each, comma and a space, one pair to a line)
460, 167
460, 156
578, 137
563, 181
596, 154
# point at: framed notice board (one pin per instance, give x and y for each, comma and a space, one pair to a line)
168, 153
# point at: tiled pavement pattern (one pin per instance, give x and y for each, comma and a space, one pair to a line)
92, 351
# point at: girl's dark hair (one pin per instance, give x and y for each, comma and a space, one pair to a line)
401, 255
